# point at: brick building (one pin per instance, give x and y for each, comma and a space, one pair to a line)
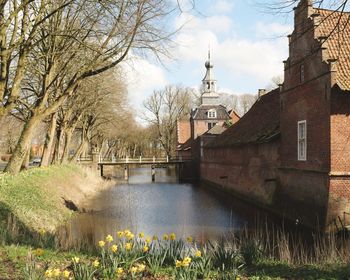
291, 152
209, 114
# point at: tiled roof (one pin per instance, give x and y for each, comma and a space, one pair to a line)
201, 113
335, 26
216, 130
260, 124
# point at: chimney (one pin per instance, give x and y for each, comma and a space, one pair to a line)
261, 92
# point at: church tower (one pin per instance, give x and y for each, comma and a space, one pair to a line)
209, 95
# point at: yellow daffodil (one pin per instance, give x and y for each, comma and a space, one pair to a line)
127, 232
66, 274
109, 238
198, 254
145, 249
101, 243
189, 239
133, 269
165, 237
186, 261
56, 272
114, 248
120, 234
173, 236
238, 278
130, 236
75, 260
49, 273
42, 231
141, 234
128, 246
96, 263
148, 240
141, 267
119, 270
38, 252
155, 237
178, 263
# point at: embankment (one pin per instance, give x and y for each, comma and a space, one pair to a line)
37, 198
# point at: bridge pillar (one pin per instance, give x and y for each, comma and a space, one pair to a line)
126, 172
153, 172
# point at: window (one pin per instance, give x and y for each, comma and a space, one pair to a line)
302, 73
211, 125
212, 114
302, 134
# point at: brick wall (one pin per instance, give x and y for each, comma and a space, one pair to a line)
246, 170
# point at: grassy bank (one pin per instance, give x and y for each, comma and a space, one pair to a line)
34, 200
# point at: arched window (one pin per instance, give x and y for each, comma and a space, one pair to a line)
212, 114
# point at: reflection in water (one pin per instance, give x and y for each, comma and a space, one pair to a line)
158, 208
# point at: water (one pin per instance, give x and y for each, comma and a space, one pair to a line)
162, 207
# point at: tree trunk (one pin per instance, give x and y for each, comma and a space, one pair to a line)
68, 138
25, 163
23, 145
46, 158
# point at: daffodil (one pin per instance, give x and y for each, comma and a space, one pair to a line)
38, 252
133, 269
96, 263
101, 243
148, 240
56, 272
178, 263
141, 234
189, 239
76, 260
198, 254
165, 237
49, 273
120, 234
119, 270
42, 231
128, 246
173, 236
141, 267
186, 261
109, 238
130, 236
155, 237
66, 274
114, 248
145, 249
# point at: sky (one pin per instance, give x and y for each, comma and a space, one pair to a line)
247, 49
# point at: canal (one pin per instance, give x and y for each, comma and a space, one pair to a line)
165, 206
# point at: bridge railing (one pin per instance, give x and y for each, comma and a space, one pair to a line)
143, 159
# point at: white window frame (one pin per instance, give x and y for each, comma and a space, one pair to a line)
302, 141
212, 114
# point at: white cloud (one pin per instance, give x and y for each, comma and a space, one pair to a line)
272, 29
143, 77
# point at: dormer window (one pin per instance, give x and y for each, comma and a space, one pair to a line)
212, 114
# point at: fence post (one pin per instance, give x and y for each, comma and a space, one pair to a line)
140, 159
154, 159
167, 158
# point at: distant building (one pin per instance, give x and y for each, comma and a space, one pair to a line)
291, 152
207, 115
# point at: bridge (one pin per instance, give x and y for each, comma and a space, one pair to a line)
153, 162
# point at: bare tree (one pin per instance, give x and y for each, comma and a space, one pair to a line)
82, 40
164, 108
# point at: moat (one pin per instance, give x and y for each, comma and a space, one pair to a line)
163, 207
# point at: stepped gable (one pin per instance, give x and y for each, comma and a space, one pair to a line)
334, 28
259, 125
201, 113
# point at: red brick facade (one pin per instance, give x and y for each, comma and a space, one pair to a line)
261, 163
